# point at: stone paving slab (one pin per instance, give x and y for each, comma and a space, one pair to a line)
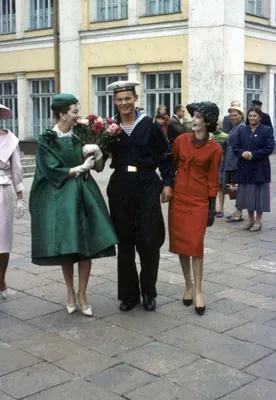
259, 389
29, 307
209, 378
49, 346
86, 363
15, 329
227, 353
106, 338
265, 368
121, 379
75, 390
28, 381
12, 359
164, 390
214, 346
147, 324
157, 358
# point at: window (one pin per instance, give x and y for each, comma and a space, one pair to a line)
155, 7
105, 105
7, 16
42, 92
253, 87
162, 88
109, 10
255, 7
41, 14
8, 97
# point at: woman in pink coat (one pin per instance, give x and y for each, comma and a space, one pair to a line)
11, 176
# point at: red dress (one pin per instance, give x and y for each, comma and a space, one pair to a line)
196, 180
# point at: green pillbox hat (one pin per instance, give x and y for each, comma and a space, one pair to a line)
64, 100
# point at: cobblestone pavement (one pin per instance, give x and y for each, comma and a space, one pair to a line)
229, 353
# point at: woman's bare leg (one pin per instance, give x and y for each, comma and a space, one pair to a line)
186, 268
68, 273
84, 273
197, 263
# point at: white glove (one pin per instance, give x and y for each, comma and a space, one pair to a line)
92, 149
20, 208
89, 163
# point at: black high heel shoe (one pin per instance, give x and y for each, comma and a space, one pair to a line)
200, 310
187, 302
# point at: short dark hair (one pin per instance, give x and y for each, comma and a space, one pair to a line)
141, 108
59, 109
133, 91
178, 107
256, 109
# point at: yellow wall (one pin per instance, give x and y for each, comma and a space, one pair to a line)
27, 60
259, 51
256, 20
101, 59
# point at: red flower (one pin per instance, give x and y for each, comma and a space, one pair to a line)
97, 127
110, 121
92, 117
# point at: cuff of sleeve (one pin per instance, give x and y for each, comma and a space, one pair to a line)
213, 194
19, 188
168, 182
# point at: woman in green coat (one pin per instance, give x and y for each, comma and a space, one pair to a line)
69, 219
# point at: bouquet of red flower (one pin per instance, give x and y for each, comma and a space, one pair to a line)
93, 130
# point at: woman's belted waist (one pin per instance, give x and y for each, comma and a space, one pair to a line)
5, 177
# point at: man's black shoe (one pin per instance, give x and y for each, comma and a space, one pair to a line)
149, 303
128, 305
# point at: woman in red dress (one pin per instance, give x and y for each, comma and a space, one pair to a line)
192, 207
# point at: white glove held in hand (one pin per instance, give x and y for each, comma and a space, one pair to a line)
92, 148
89, 163
20, 208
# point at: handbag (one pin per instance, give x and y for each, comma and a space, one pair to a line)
232, 191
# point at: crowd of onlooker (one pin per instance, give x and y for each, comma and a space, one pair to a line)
233, 174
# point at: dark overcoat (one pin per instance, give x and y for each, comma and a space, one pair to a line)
261, 144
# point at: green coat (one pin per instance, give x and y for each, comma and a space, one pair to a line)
69, 218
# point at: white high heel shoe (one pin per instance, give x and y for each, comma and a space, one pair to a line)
4, 294
71, 308
86, 310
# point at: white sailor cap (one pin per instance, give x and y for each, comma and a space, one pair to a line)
122, 86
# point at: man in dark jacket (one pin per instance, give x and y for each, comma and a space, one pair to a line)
227, 124
266, 120
134, 197
175, 126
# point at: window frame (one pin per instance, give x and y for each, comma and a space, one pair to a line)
255, 7
157, 91
103, 93
8, 17
107, 18
145, 4
10, 100
254, 91
35, 17
40, 96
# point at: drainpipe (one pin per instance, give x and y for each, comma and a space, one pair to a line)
56, 45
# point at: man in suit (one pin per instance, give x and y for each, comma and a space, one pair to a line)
265, 120
227, 124
175, 126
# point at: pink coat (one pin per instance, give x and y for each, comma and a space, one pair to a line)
11, 176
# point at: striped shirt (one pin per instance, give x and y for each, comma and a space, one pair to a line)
128, 129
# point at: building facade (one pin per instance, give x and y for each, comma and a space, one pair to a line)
180, 51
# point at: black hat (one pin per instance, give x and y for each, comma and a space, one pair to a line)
209, 110
257, 103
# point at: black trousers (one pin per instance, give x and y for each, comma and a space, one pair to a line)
134, 202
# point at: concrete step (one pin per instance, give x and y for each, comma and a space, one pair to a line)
28, 160
29, 170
